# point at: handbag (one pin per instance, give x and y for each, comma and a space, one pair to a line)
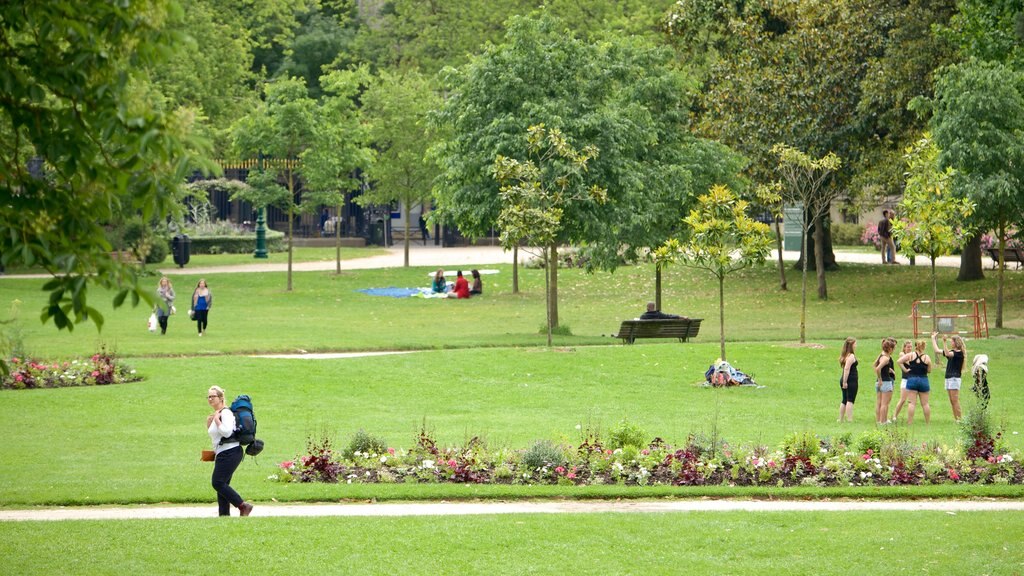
191, 313
173, 309
206, 456
152, 322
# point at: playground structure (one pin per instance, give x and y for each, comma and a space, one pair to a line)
962, 317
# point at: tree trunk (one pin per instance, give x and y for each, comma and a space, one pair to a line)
291, 224
405, 243
803, 291
810, 247
337, 241
999, 277
553, 287
721, 314
970, 261
819, 259
935, 296
515, 269
778, 248
547, 300
657, 285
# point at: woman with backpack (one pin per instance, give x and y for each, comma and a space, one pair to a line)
227, 454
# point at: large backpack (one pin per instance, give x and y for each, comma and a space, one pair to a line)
245, 426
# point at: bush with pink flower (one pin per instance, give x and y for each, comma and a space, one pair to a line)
101, 369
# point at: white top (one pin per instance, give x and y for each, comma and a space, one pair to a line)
226, 428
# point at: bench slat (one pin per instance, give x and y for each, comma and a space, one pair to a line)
680, 328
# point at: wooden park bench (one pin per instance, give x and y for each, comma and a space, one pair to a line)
681, 328
1009, 255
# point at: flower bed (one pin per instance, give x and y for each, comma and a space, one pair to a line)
103, 368
882, 457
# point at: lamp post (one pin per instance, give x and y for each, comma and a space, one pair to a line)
261, 224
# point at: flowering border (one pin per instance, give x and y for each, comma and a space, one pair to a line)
101, 369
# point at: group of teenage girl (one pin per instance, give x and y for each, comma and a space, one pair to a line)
914, 365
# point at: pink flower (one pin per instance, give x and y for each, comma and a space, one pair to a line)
953, 474
771, 463
607, 451
286, 464
391, 451
571, 475
559, 470
18, 377
645, 451
452, 463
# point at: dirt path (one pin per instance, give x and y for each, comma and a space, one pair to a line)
545, 507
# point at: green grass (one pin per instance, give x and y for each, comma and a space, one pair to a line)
140, 442
324, 312
819, 543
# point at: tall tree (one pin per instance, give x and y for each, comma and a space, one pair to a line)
619, 96
282, 127
536, 192
932, 219
340, 147
81, 145
804, 182
723, 239
978, 119
396, 107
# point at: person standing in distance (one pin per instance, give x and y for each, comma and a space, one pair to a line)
227, 454
165, 304
202, 301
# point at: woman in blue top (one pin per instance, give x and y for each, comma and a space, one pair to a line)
848, 381
917, 364
954, 368
202, 301
440, 285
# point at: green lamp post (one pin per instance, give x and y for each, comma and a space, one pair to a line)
261, 224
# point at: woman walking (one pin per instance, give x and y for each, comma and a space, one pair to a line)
918, 365
848, 381
954, 368
164, 307
228, 454
202, 301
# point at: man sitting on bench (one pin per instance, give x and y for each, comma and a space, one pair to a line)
654, 314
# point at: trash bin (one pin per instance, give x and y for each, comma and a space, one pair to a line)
181, 246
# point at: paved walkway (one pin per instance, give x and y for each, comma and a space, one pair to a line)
529, 507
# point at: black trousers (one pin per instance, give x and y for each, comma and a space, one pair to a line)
163, 323
224, 467
200, 317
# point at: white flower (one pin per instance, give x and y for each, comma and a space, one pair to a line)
428, 464
383, 459
579, 427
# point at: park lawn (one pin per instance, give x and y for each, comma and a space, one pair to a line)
325, 312
819, 543
140, 442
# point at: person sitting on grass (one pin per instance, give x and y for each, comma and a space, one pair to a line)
439, 286
653, 313
478, 284
461, 289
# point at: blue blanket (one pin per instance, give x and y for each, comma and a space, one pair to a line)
391, 291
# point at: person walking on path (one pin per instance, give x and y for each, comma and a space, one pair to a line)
848, 381
917, 365
165, 305
954, 368
227, 454
202, 302
885, 234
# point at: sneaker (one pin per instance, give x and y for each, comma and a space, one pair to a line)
244, 509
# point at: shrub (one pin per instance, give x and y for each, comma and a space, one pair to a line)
627, 434
543, 453
364, 443
870, 236
844, 234
103, 368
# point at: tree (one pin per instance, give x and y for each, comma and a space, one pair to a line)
282, 127
932, 220
769, 196
340, 145
619, 96
535, 193
83, 146
804, 183
723, 239
978, 123
396, 107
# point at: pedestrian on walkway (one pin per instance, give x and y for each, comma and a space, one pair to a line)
165, 304
885, 235
227, 454
202, 302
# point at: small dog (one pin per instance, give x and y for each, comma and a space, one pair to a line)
980, 388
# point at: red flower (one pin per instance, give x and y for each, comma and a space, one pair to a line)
953, 474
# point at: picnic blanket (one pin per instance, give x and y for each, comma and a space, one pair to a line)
393, 292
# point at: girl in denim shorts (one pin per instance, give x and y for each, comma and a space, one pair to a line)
885, 377
918, 365
954, 367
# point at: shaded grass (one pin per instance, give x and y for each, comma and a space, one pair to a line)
693, 543
253, 312
140, 442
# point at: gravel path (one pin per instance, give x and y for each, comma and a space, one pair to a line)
526, 507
